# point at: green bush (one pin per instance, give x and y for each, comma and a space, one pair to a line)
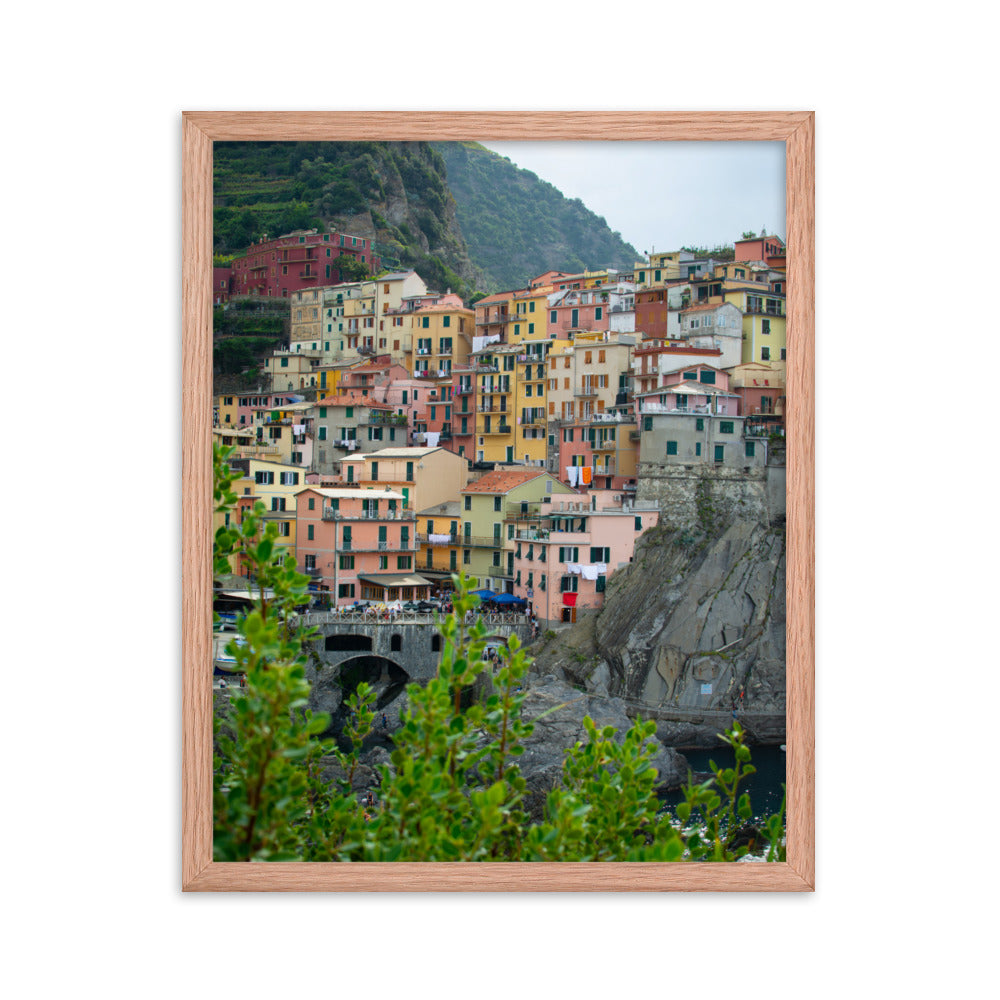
454, 791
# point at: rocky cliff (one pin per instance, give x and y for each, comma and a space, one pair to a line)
689, 625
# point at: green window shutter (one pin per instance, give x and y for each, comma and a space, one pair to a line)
598, 313
750, 449
671, 447
350, 411
699, 424
697, 449
708, 378
309, 532
720, 453
409, 472
599, 587
446, 321
374, 470
726, 427
638, 524
647, 423
425, 322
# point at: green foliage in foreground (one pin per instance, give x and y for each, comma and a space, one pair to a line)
454, 791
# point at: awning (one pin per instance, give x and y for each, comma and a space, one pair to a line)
394, 579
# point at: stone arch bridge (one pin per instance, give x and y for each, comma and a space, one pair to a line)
410, 642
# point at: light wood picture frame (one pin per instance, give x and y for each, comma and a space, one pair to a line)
200, 130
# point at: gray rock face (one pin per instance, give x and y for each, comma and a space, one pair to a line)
545, 750
686, 627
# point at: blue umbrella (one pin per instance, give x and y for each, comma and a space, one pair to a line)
508, 599
483, 595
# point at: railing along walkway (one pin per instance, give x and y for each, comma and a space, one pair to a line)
372, 616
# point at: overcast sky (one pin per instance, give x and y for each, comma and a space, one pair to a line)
664, 195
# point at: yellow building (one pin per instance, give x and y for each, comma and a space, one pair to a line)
226, 409
439, 541
527, 318
441, 338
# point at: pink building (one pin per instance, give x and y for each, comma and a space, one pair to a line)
566, 549
696, 389
655, 359
577, 310
357, 545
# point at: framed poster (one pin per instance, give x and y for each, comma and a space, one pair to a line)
200, 131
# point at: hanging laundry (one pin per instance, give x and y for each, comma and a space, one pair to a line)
601, 568
589, 572
573, 567
585, 475
431, 438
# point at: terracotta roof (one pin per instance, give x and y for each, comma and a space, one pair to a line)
503, 480
495, 297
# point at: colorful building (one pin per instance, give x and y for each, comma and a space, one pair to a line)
487, 542
357, 545
422, 476
565, 550
439, 539
300, 259
441, 338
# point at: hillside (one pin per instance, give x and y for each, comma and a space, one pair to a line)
462, 216
394, 193
517, 225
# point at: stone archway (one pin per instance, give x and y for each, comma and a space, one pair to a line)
386, 676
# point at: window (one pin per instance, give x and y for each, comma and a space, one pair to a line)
647, 423
598, 313
404, 562
638, 524
699, 424
720, 453
725, 426
765, 354
310, 533
383, 562
322, 433
347, 562
765, 326
707, 377
568, 584
750, 449
497, 502
671, 447
697, 449
601, 584
345, 590
553, 316
468, 503
600, 555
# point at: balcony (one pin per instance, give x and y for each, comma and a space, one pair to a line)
480, 542
490, 408
499, 429
453, 539
329, 514
464, 390
585, 391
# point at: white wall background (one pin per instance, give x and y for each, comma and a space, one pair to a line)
906, 664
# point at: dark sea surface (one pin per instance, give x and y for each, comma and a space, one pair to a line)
764, 787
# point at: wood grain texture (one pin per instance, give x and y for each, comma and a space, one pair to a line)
200, 130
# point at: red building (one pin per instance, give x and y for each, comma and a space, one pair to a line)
302, 259
770, 249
